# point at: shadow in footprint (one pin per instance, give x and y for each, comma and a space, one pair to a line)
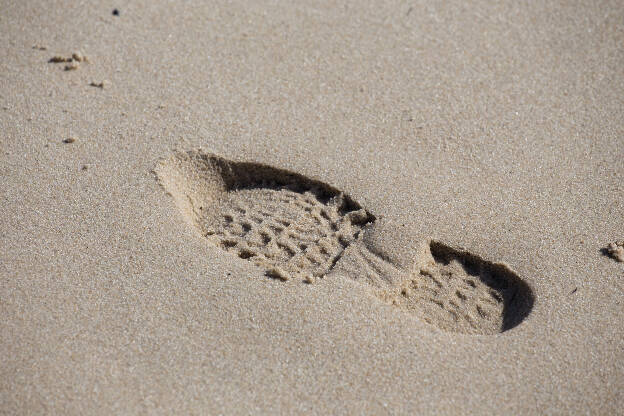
470, 295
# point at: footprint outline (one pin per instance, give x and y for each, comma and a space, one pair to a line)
217, 195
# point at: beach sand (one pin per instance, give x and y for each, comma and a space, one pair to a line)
311, 207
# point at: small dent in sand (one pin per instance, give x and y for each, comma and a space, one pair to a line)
73, 62
69, 140
102, 84
58, 59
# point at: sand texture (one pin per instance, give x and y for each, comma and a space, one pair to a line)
312, 207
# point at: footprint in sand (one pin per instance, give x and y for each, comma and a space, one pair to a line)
284, 222
298, 228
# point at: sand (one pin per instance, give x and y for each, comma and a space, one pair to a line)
450, 174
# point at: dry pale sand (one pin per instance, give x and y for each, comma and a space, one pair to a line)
311, 207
